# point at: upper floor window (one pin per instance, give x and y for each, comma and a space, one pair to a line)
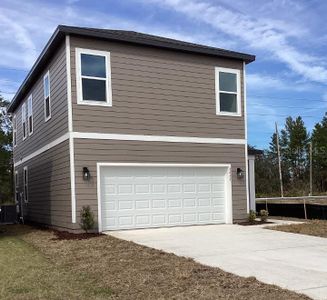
228, 95
30, 114
24, 113
93, 76
14, 130
47, 100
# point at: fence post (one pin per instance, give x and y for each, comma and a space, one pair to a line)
267, 205
305, 209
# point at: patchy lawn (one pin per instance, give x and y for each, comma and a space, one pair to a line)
36, 264
313, 227
27, 273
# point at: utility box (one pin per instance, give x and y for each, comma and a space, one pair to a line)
8, 214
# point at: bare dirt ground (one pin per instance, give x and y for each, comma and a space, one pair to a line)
312, 227
104, 267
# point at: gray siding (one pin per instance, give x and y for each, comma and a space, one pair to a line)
48, 187
45, 132
157, 92
89, 152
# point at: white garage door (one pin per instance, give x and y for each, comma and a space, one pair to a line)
141, 197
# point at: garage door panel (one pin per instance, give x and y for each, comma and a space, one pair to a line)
140, 197
158, 219
158, 188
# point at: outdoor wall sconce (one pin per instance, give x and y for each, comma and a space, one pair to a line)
240, 173
86, 174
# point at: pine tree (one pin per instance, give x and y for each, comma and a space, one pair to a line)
319, 144
294, 144
5, 153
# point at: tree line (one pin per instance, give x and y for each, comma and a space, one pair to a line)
294, 140
6, 176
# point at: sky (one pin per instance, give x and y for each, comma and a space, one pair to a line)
288, 37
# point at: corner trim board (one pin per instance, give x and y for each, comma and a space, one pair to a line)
246, 142
69, 80
70, 129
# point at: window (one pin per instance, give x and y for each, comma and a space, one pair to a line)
30, 114
228, 98
14, 130
16, 187
25, 178
47, 100
93, 77
24, 121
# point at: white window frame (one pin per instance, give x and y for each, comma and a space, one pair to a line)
14, 131
25, 184
16, 186
106, 54
47, 118
24, 115
238, 112
30, 114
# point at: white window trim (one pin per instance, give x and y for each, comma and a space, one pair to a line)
16, 179
16, 186
25, 184
238, 113
30, 114
47, 118
24, 121
14, 130
79, 76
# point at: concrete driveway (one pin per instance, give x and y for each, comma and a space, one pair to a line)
292, 261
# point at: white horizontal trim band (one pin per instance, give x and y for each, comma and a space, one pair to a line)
130, 137
43, 149
186, 165
156, 138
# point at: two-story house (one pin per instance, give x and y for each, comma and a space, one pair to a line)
147, 131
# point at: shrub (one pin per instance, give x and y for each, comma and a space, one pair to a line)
87, 218
251, 217
263, 215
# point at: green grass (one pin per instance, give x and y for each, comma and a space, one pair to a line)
26, 274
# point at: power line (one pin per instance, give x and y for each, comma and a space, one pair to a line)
285, 106
285, 98
7, 92
14, 69
277, 115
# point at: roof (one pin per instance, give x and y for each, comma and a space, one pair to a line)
254, 151
121, 36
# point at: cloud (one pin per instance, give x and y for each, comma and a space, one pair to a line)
263, 82
15, 36
8, 88
259, 34
23, 40
325, 96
